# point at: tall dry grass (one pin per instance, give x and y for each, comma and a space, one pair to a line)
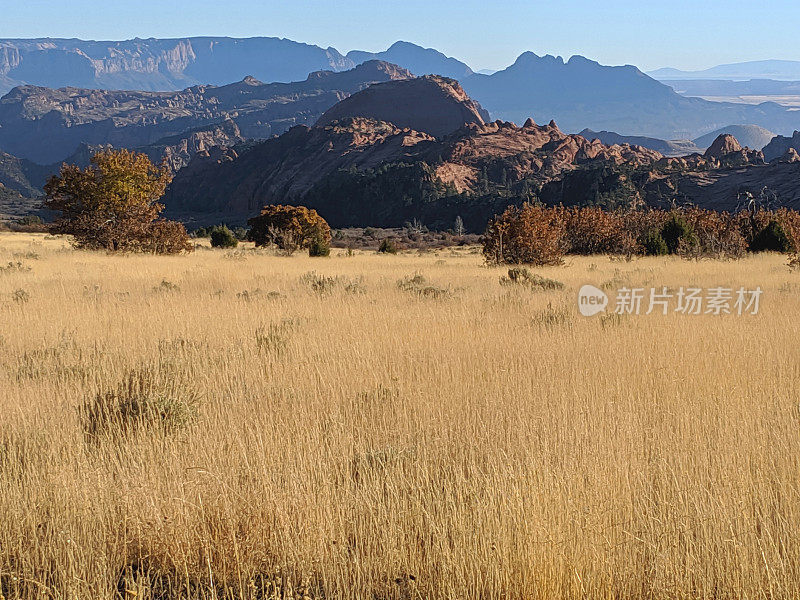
223, 425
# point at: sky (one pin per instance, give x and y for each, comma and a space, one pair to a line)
684, 34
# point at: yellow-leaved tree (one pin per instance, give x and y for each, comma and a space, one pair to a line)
113, 204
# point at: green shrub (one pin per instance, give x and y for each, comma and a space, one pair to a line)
319, 246
29, 220
677, 234
388, 246
772, 238
222, 237
654, 244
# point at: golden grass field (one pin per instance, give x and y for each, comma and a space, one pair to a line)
368, 441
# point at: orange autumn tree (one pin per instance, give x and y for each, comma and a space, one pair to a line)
530, 234
289, 228
113, 204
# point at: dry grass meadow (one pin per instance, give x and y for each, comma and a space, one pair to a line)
223, 425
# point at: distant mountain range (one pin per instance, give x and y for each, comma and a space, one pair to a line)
207, 114
786, 70
47, 125
175, 64
420, 61
581, 93
578, 93
730, 88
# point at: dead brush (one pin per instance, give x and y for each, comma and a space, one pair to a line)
328, 284
166, 286
15, 267
522, 277
274, 338
552, 317
417, 284
147, 399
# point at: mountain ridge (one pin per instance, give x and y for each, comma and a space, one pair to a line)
45, 125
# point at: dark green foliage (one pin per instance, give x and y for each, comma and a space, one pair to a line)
319, 246
396, 193
654, 244
29, 220
677, 234
388, 246
771, 238
222, 237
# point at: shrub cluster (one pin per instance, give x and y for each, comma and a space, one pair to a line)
291, 228
537, 235
222, 237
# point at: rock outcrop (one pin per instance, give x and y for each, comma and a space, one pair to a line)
791, 156
433, 104
721, 147
727, 152
666, 147
780, 145
368, 172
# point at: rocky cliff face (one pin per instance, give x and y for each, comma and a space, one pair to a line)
362, 171
46, 125
780, 145
153, 64
433, 104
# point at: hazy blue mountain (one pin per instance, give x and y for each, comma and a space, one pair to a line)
159, 64
581, 93
46, 125
752, 136
418, 60
786, 70
730, 88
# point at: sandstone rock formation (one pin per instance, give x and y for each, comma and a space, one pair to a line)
780, 145
337, 168
433, 104
668, 148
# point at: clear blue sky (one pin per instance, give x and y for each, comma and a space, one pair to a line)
687, 34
